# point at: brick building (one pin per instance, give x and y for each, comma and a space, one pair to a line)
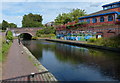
107, 15
103, 23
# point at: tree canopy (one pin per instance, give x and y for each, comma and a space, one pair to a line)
69, 17
76, 13
12, 25
46, 30
63, 18
32, 20
5, 25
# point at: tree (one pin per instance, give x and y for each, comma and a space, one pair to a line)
5, 25
49, 30
76, 13
12, 25
69, 17
46, 30
32, 20
63, 18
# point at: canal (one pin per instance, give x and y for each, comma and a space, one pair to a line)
72, 63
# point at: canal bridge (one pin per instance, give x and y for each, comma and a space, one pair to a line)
28, 32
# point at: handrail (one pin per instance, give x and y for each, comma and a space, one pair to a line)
28, 76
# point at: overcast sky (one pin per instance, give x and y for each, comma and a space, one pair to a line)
14, 10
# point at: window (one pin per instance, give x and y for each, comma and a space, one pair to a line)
94, 20
116, 5
81, 21
102, 19
110, 18
88, 20
108, 7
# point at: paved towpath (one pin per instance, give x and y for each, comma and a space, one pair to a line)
17, 64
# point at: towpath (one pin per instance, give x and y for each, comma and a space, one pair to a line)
17, 63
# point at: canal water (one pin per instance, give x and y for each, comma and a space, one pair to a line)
72, 63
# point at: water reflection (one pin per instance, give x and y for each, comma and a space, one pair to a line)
72, 63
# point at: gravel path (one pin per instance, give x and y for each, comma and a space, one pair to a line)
17, 64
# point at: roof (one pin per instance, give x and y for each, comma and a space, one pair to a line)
118, 2
99, 13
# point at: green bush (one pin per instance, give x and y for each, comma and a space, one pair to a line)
69, 26
81, 23
47, 36
47, 30
9, 35
5, 48
92, 40
34, 37
109, 42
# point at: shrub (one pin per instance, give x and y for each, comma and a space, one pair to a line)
92, 40
9, 35
34, 37
109, 42
47, 30
5, 48
52, 35
81, 23
69, 26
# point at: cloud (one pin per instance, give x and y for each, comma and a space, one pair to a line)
0, 12
13, 19
13, 11
95, 4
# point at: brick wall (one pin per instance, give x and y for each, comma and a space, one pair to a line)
105, 31
98, 20
63, 27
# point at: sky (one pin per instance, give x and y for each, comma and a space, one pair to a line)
13, 10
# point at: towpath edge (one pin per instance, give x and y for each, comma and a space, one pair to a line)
20, 63
40, 67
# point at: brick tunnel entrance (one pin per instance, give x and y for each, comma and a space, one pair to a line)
26, 36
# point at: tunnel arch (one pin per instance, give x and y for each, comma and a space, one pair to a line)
26, 36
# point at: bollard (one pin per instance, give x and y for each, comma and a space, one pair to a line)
32, 74
22, 52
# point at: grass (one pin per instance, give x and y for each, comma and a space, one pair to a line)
0, 48
4, 47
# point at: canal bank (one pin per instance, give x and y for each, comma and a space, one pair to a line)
84, 44
40, 67
20, 63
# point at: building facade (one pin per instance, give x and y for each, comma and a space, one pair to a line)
103, 23
107, 15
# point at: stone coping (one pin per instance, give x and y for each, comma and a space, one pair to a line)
40, 67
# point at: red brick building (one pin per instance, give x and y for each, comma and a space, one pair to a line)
107, 15
104, 23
